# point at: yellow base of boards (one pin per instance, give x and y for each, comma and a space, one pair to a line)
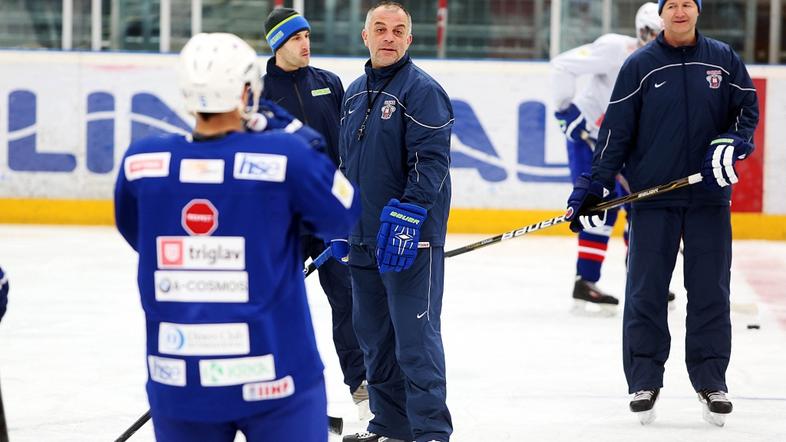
481, 221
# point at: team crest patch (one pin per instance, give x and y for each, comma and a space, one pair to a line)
388, 108
714, 78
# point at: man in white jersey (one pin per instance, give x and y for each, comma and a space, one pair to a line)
580, 113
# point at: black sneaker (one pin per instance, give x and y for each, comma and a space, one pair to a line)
643, 404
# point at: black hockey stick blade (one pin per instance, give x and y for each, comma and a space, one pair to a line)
135, 426
617, 202
335, 425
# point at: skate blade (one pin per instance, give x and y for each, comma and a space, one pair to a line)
646, 417
713, 418
591, 309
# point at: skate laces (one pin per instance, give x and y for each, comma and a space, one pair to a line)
643, 395
717, 396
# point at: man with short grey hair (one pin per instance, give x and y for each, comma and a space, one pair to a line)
394, 143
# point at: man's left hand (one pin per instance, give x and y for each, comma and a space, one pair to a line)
718, 169
399, 233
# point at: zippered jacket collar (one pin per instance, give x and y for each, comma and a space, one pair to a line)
383, 73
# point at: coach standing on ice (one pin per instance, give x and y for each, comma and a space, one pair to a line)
395, 145
681, 105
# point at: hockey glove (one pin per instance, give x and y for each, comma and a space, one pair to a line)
586, 195
572, 123
3, 293
399, 233
339, 250
718, 170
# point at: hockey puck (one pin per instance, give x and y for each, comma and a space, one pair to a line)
753, 326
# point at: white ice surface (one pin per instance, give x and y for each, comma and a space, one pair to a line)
520, 366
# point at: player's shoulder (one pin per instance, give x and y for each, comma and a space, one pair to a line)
323, 73
615, 40
156, 143
419, 81
719, 51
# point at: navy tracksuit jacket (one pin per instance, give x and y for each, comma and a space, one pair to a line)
667, 105
314, 97
404, 153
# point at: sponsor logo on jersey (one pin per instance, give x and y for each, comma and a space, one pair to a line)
167, 370
388, 108
201, 252
714, 78
223, 372
320, 92
203, 339
201, 171
260, 167
186, 286
342, 189
147, 165
262, 391
199, 217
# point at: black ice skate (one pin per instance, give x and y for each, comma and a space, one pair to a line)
715, 406
368, 437
589, 300
643, 404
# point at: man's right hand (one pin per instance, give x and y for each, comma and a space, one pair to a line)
572, 123
586, 195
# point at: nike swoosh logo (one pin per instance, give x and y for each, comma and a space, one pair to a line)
420, 315
350, 111
657, 85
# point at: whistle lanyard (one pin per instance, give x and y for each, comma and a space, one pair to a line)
371, 100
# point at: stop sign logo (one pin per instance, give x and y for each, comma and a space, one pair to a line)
200, 217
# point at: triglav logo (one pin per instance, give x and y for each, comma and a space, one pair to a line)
201, 252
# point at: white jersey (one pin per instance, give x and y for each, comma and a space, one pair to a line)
602, 59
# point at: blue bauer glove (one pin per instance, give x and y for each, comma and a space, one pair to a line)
399, 233
718, 170
586, 195
572, 123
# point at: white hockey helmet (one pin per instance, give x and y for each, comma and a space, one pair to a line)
648, 22
214, 70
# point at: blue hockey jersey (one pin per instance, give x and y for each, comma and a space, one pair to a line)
666, 107
215, 223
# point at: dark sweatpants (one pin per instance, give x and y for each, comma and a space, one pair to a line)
654, 244
397, 320
334, 279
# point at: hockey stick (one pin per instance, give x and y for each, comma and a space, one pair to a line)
617, 202
335, 426
3, 426
135, 426
318, 261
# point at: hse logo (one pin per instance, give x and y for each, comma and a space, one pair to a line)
194, 286
203, 339
260, 167
167, 371
223, 372
199, 217
201, 252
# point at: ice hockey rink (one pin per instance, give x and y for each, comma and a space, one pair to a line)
521, 367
